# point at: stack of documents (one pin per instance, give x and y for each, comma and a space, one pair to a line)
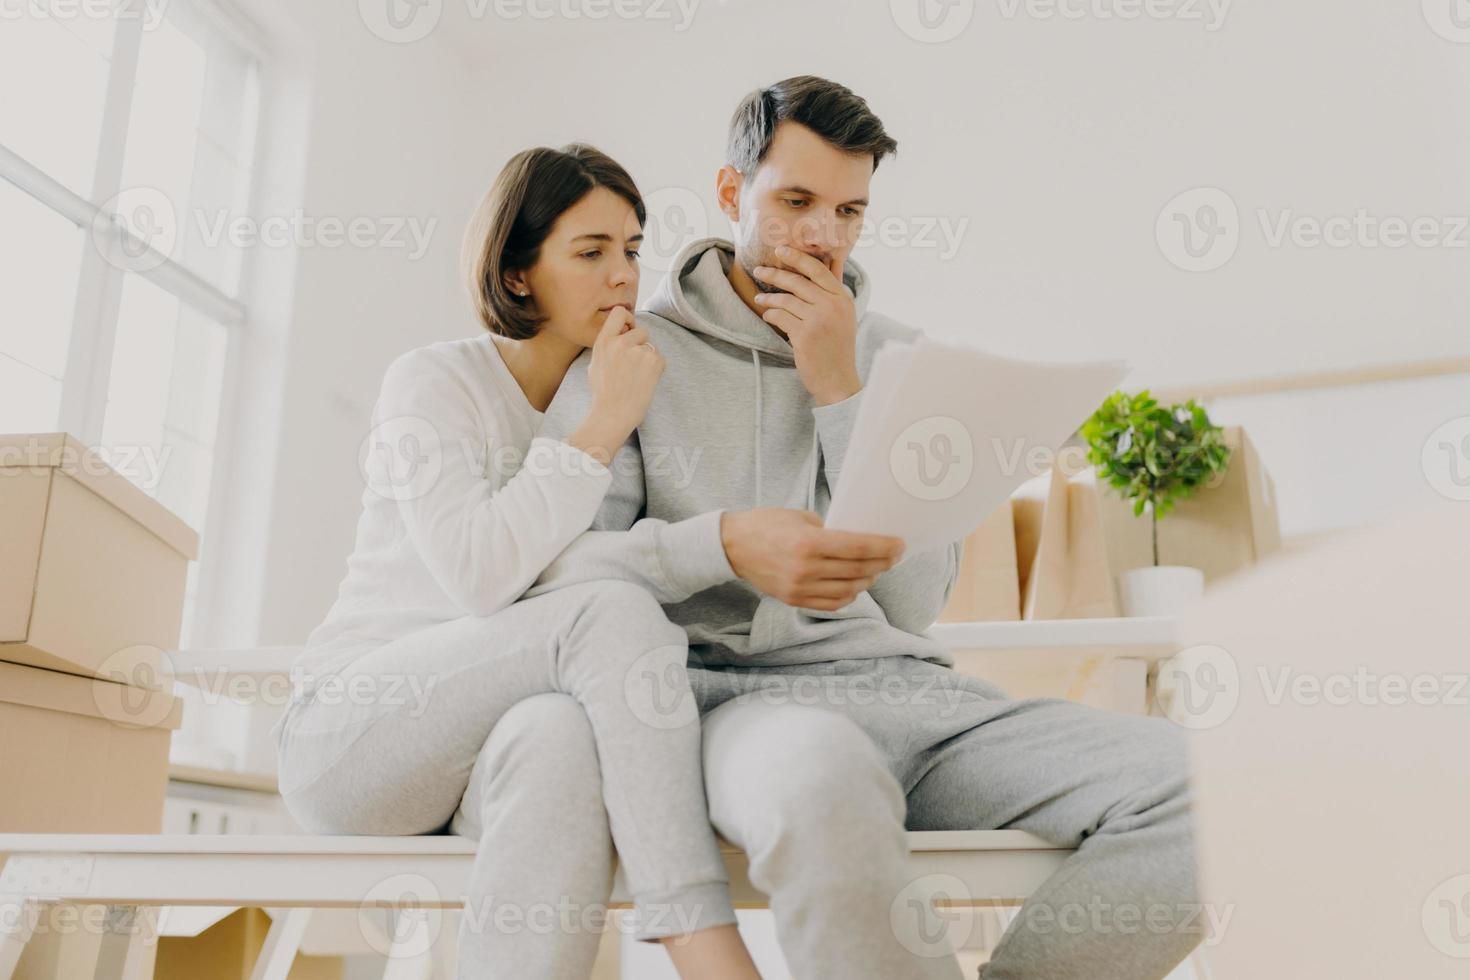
945, 434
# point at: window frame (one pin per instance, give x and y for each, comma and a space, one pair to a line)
103, 268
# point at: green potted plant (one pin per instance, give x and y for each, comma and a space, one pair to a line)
1155, 456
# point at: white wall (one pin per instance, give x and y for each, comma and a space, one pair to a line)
1059, 142
389, 139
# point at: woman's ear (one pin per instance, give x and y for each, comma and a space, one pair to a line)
516, 282
727, 191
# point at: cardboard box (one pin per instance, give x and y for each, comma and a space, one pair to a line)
1225, 526
82, 755
79, 755
1061, 548
227, 951
92, 576
988, 587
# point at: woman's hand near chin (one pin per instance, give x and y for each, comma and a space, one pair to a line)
624, 372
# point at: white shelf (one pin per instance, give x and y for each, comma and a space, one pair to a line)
1150, 637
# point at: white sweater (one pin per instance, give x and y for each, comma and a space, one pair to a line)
464, 507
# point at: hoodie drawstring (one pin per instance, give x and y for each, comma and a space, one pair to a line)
755, 357
811, 488
812, 458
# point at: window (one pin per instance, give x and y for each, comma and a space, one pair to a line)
127, 142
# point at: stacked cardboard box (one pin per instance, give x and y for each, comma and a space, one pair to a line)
92, 578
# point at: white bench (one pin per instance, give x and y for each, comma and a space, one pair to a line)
136, 875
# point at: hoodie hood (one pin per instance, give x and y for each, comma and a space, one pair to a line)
697, 295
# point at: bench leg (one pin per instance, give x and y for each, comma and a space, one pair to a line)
281, 943
129, 944
446, 947
17, 920
412, 955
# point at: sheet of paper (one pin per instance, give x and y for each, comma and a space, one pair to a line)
945, 434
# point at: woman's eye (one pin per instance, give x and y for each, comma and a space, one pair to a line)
593, 254
633, 254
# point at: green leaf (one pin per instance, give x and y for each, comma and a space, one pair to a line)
1154, 455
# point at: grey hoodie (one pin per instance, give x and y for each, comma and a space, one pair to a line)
732, 427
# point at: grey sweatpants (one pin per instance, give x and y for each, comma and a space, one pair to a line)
817, 770
399, 742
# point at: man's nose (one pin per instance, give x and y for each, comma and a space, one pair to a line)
820, 235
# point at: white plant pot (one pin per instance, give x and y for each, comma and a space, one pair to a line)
1164, 590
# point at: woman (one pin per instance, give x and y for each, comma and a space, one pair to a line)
427, 647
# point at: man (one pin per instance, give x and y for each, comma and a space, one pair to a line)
831, 722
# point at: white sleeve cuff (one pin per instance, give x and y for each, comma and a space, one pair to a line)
692, 555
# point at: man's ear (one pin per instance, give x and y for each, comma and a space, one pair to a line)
728, 183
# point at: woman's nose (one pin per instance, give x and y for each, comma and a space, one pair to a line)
623, 272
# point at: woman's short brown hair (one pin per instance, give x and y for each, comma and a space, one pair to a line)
511, 224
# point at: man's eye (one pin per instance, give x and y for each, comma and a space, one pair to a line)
795, 203
852, 212
633, 254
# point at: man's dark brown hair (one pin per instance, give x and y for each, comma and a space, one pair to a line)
510, 225
832, 111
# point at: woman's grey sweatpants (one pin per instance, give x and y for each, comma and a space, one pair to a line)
816, 771
401, 741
